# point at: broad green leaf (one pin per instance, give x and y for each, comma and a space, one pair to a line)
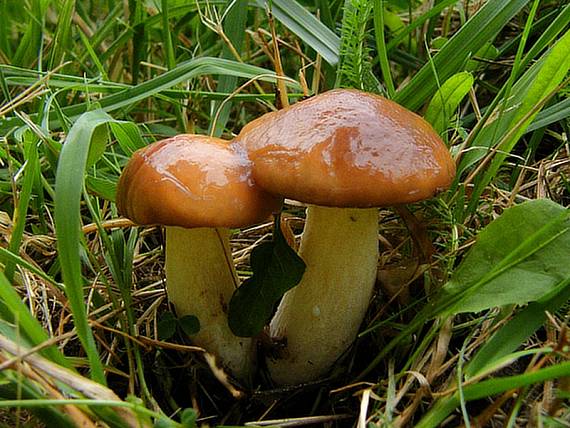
276, 269
519, 328
447, 99
128, 136
68, 188
102, 187
526, 247
518, 258
452, 58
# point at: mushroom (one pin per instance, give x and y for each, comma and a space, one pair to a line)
346, 153
198, 188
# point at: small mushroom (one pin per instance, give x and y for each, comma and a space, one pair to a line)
345, 152
198, 188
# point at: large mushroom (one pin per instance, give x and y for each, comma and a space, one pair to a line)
346, 153
198, 187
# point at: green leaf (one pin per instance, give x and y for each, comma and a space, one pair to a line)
554, 113
526, 247
166, 326
102, 187
189, 324
488, 52
31, 168
519, 328
518, 258
276, 269
447, 99
128, 136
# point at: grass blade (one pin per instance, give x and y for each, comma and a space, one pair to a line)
531, 91
452, 58
234, 28
488, 388
30, 169
305, 25
381, 47
29, 326
184, 71
69, 185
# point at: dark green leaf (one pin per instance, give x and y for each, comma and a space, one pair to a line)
276, 269
189, 324
166, 326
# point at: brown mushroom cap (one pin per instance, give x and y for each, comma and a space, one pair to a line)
346, 148
192, 181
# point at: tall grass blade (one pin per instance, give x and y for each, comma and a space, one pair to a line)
30, 169
530, 92
381, 47
305, 25
234, 28
452, 58
77, 151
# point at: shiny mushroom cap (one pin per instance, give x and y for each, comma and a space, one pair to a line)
346, 148
192, 181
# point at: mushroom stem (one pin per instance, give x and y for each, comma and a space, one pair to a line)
201, 278
320, 317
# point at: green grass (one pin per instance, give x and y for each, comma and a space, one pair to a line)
85, 84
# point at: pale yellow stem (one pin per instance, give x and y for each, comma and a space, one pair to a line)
201, 278
320, 318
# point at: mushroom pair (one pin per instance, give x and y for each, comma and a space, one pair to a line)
344, 152
198, 187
